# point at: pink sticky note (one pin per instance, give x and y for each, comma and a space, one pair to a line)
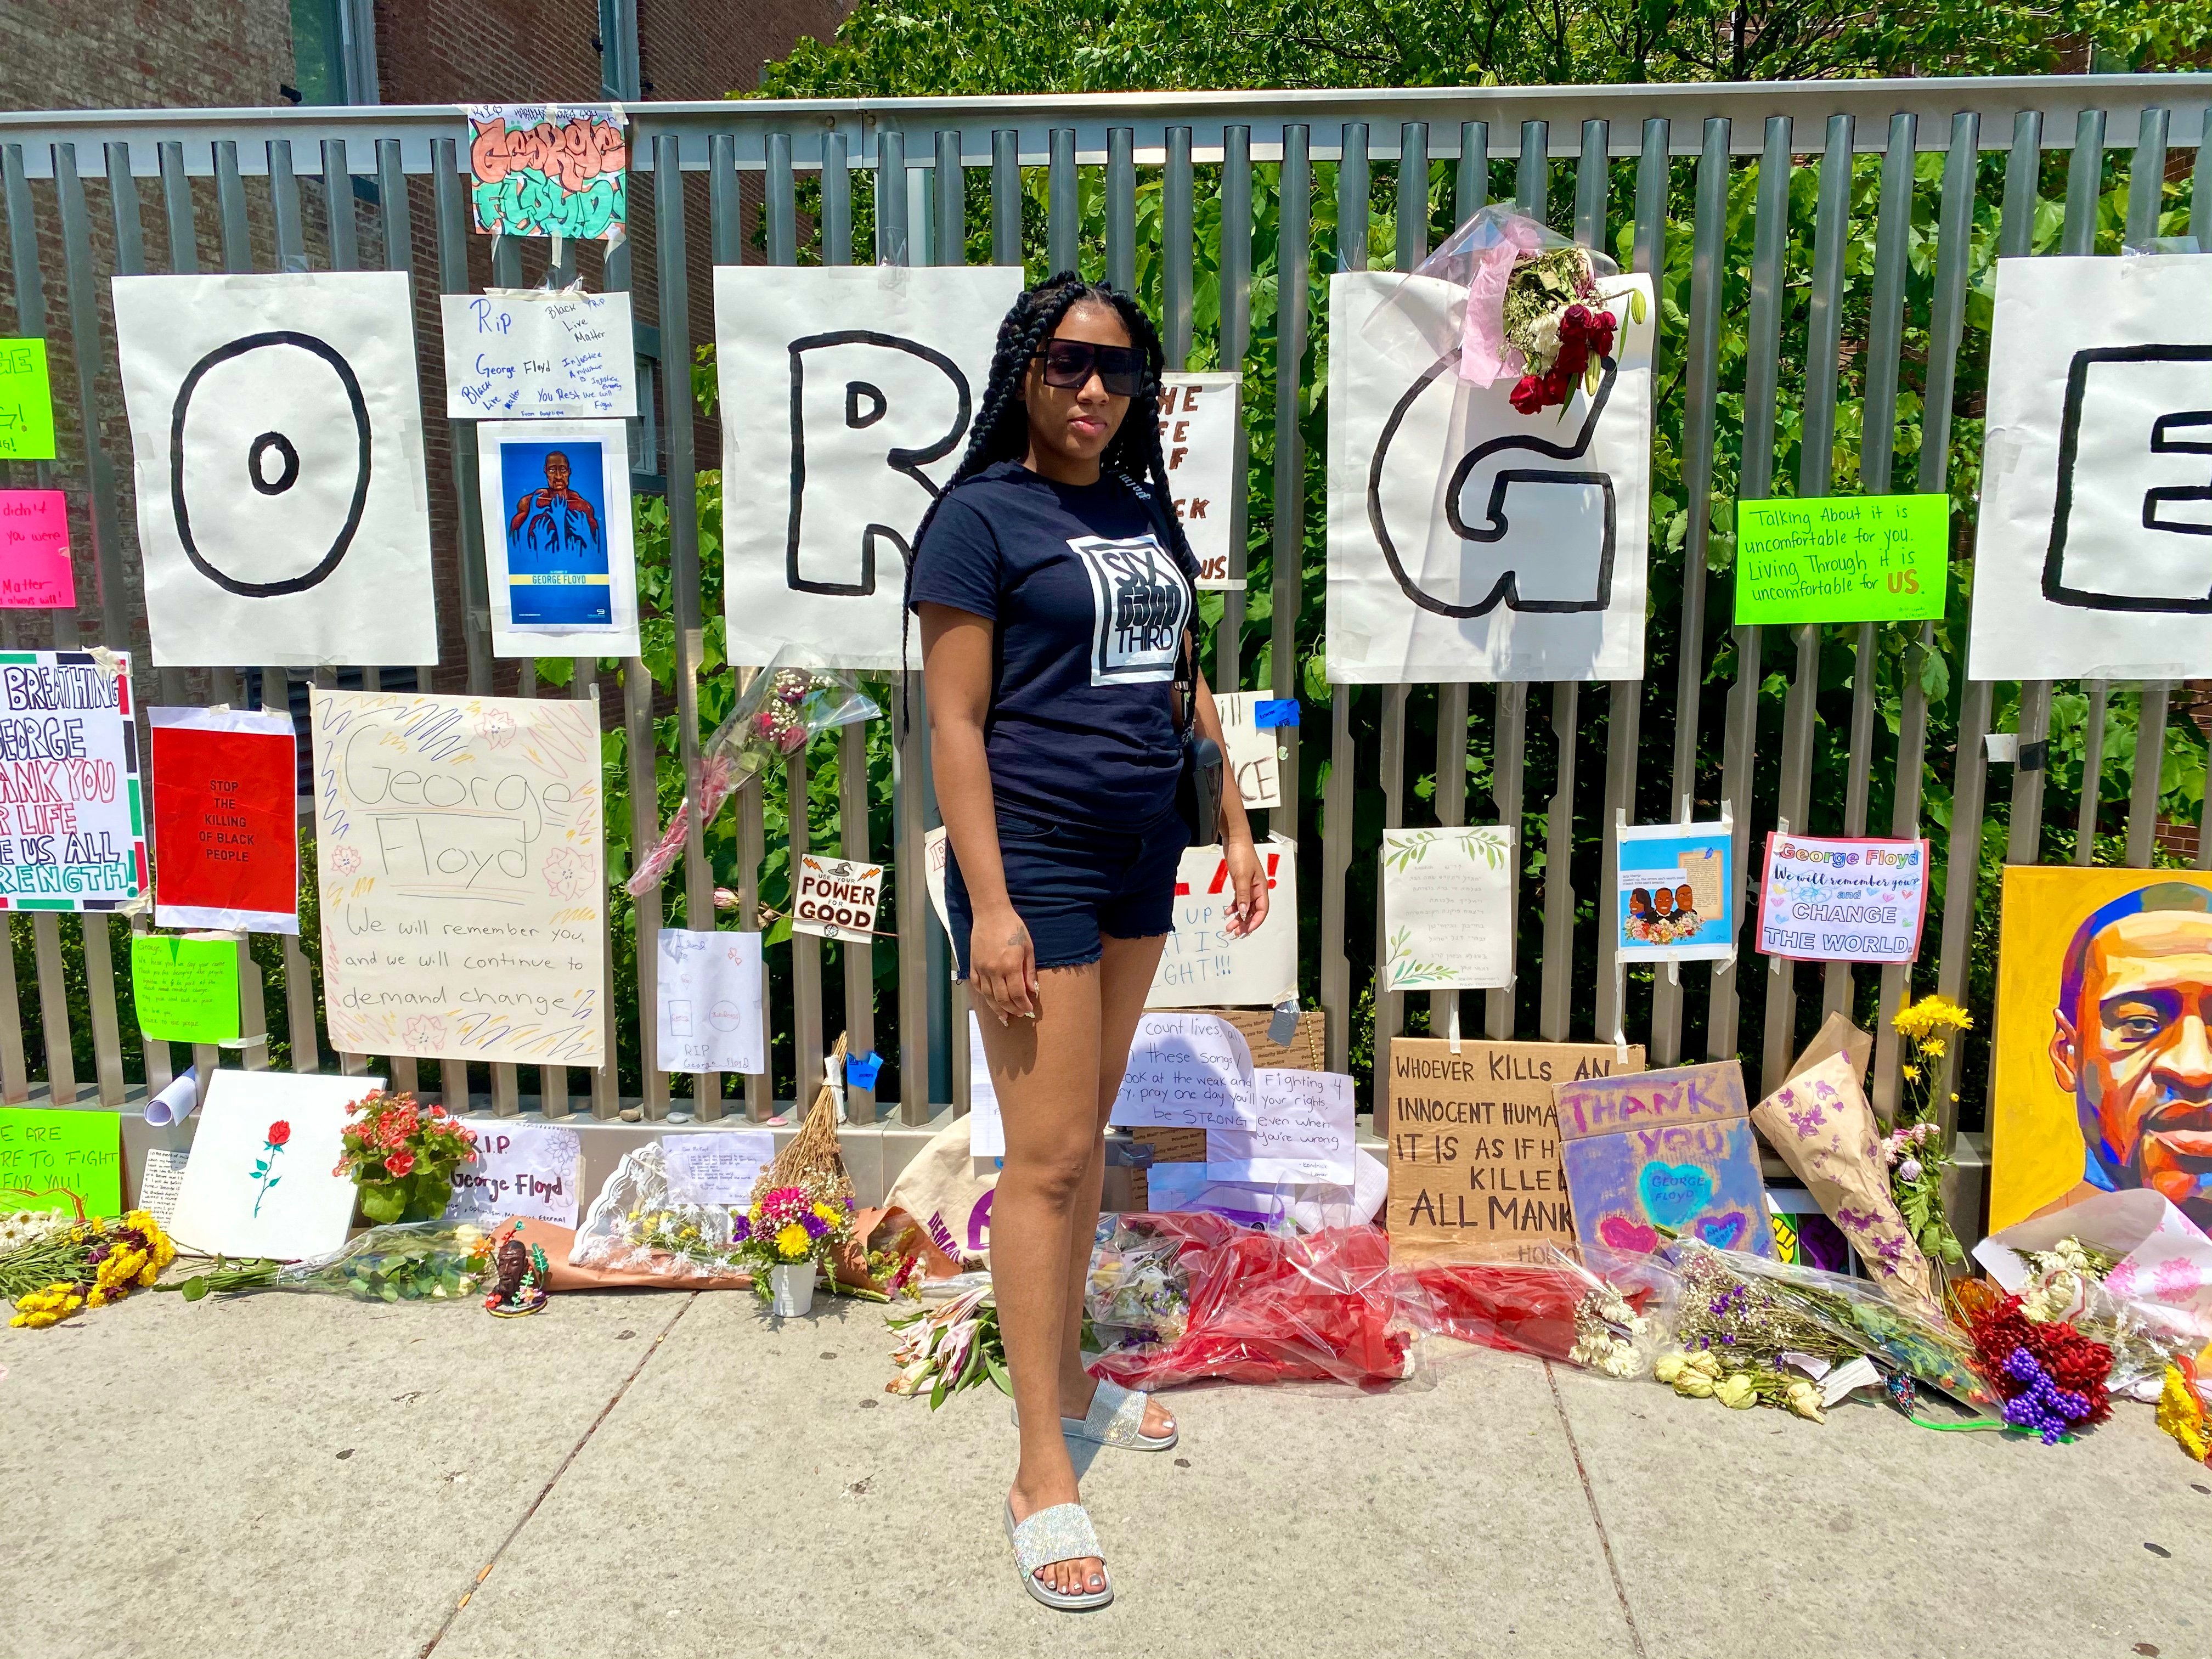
34, 551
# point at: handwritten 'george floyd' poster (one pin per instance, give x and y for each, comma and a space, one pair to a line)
463, 876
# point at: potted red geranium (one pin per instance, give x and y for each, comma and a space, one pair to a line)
402, 1157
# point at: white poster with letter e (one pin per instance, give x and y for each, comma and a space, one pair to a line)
259, 1182
2093, 557
838, 897
531, 354
1467, 541
1198, 440
847, 394
709, 1002
276, 434
1202, 967
1447, 908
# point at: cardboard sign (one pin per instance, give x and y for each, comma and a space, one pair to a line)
1254, 751
48, 1159
34, 551
263, 1178
463, 876
1447, 908
838, 897
526, 353
532, 1169
1201, 966
72, 831
1668, 1148
1829, 899
708, 1016
1843, 559
1197, 437
1676, 901
185, 990
26, 402
1475, 1149
226, 835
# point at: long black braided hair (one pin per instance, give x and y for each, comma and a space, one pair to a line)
1001, 429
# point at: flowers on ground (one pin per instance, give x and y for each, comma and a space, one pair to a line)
789, 1225
403, 1158
2053, 1378
69, 1264
1918, 1152
953, 1346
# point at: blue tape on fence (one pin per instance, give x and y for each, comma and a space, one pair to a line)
1275, 711
860, 1069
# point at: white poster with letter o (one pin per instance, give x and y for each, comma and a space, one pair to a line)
847, 397
276, 436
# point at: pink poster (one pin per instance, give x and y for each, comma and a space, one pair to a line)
34, 552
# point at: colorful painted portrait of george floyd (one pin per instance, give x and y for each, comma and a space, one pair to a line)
2103, 1074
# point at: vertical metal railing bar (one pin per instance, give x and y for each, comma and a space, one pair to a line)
949, 244
177, 211
1709, 269
1006, 196
1755, 482
1624, 722
2145, 185
341, 231
126, 212
1815, 471
1337, 828
780, 197
45, 927
1121, 208
1293, 277
2099, 693
1592, 179
1470, 191
1178, 250
2200, 226
836, 201
679, 464
1064, 204
1235, 264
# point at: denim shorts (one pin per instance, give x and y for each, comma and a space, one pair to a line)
1075, 888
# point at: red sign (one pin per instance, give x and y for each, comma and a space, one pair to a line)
226, 837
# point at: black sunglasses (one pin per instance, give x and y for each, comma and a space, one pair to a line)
1069, 365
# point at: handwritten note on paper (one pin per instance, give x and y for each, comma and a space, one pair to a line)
1304, 1131
514, 354
26, 402
161, 1180
72, 829
1255, 751
185, 990
717, 1166
34, 551
1187, 1071
1447, 908
1198, 442
533, 1170
225, 821
463, 877
1202, 967
1843, 558
47, 1158
708, 995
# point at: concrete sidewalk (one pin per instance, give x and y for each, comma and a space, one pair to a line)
642, 1472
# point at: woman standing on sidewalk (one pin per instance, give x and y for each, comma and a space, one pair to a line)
1053, 585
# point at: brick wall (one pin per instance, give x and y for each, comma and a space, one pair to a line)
143, 54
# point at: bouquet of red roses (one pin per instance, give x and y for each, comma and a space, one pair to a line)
403, 1158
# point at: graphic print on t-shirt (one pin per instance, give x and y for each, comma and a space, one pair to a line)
1141, 607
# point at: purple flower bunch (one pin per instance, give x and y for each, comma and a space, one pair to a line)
2045, 1408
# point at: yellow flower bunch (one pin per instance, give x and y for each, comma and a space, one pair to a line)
2181, 1414
1929, 1017
791, 1241
48, 1307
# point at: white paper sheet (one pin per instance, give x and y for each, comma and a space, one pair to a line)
2093, 554
176, 1102
936, 853
986, 1133
847, 398
559, 560
1447, 908
717, 1166
532, 1169
162, 1181
1560, 583
1187, 1071
1198, 439
1253, 753
527, 354
464, 882
1304, 1134
277, 429
259, 1182
1202, 967
709, 1002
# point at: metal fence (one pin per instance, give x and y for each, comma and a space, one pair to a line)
1960, 169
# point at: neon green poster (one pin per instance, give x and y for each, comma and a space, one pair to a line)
26, 402
1842, 559
49, 1157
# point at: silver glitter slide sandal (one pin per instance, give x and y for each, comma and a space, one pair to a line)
1062, 1533
1116, 1418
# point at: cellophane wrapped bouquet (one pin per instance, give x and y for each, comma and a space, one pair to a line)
634, 1225
785, 706
1604, 1311
406, 1261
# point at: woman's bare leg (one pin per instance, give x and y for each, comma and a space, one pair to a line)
1046, 1073
1125, 975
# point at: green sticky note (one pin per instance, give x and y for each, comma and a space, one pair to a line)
1842, 559
185, 989
26, 402
48, 1159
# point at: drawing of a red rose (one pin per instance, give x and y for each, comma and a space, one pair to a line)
272, 1143
279, 1133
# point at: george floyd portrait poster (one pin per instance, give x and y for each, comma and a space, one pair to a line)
2103, 1070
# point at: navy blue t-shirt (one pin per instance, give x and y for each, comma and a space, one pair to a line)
1090, 611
